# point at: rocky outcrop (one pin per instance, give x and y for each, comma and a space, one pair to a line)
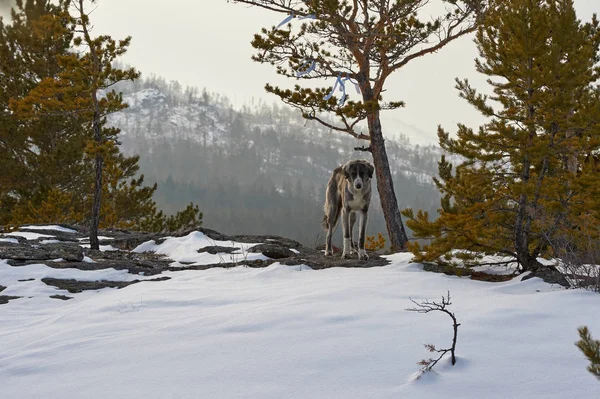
63, 250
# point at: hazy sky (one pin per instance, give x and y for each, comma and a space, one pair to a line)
206, 43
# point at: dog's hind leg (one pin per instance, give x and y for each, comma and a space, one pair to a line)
330, 221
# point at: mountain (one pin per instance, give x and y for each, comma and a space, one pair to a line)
261, 169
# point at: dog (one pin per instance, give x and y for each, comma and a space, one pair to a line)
348, 193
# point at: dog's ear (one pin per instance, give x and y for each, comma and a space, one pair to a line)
370, 169
346, 170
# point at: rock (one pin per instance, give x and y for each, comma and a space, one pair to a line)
319, 261
225, 265
550, 275
270, 239
274, 247
62, 297
215, 249
147, 263
272, 250
28, 252
75, 286
5, 298
125, 240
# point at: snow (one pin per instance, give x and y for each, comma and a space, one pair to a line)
103, 248
51, 227
99, 238
28, 235
49, 241
35, 291
185, 250
289, 332
9, 240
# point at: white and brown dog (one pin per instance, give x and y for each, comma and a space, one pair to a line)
348, 193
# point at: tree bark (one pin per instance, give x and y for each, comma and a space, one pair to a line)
95, 223
385, 186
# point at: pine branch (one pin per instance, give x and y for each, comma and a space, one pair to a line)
591, 350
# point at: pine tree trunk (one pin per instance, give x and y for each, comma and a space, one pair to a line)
96, 127
385, 186
94, 242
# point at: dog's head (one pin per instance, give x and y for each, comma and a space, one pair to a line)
359, 173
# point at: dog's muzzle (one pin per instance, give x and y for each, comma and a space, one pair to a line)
358, 184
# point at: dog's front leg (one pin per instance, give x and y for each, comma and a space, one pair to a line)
362, 228
346, 230
352, 242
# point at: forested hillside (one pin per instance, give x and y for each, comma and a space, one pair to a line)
261, 169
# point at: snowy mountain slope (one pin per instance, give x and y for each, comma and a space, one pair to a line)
158, 114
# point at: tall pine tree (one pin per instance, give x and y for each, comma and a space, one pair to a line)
61, 82
527, 178
30, 47
357, 44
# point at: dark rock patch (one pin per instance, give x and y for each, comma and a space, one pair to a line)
273, 250
215, 249
61, 297
127, 242
147, 263
27, 252
5, 298
315, 261
550, 275
2, 288
319, 261
215, 235
75, 286
466, 272
26, 279
225, 265
270, 239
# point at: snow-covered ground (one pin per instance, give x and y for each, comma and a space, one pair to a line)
290, 332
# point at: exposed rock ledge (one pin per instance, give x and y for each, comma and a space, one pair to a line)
64, 250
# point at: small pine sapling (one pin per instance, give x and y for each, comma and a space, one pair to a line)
591, 349
375, 244
432, 306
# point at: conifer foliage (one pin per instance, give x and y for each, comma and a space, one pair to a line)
30, 47
350, 44
529, 177
66, 160
591, 349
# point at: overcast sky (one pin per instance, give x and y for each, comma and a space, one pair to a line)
206, 43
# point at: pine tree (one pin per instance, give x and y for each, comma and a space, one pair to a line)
61, 111
99, 75
357, 43
30, 47
525, 179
